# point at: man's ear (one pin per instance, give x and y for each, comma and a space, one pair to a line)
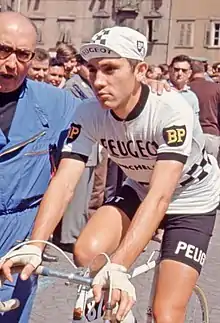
189, 73
140, 71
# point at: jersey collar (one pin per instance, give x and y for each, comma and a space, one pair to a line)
136, 111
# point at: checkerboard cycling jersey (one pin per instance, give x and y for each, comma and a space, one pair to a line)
158, 128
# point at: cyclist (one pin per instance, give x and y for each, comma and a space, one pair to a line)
171, 181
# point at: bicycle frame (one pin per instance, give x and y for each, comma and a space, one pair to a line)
88, 308
80, 277
150, 265
86, 301
86, 282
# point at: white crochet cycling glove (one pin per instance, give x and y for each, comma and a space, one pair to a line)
119, 277
27, 254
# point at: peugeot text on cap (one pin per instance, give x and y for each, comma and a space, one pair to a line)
116, 42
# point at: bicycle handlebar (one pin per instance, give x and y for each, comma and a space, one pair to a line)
76, 278
71, 277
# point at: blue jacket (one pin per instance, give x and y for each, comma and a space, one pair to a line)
43, 113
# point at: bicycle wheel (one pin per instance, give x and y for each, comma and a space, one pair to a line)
197, 309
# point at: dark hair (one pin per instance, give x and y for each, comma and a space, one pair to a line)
56, 62
151, 68
65, 50
197, 67
180, 59
133, 63
41, 54
164, 68
215, 65
80, 60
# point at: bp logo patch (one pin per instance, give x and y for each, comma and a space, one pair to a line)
174, 136
73, 132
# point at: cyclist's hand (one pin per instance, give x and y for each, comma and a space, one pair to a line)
29, 256
123, 291
158, 86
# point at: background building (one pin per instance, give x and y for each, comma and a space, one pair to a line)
195, 28
172, 26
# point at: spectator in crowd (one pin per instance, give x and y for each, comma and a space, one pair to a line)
216, 72
208, 94
216, 67
180, 72
165, 72
154, 72
33, 119
56, 72
39, 65
79, 84
206, 65
209, 69
67, 54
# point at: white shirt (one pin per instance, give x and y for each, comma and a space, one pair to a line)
158, 128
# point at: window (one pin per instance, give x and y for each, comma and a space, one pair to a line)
99, 24
126, 21
39, 23
212, 34
216, 31
65, 35
121, 5
152, 29
101, 20
185, 33
66, 27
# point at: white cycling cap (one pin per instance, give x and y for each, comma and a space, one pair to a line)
116, 42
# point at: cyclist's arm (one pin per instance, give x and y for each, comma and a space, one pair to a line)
151, 211
57, 198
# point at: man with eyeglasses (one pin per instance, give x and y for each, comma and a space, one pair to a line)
180, 72
33, 119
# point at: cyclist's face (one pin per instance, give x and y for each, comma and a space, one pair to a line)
38, 70
113, 81
12, 70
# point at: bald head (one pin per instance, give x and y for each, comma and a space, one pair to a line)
17, 45
15, 23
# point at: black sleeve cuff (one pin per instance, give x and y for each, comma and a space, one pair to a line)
75, 156
172, 156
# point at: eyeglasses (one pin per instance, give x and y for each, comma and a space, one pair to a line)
23, 55
177, 69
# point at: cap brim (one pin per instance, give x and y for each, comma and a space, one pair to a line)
92, 50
